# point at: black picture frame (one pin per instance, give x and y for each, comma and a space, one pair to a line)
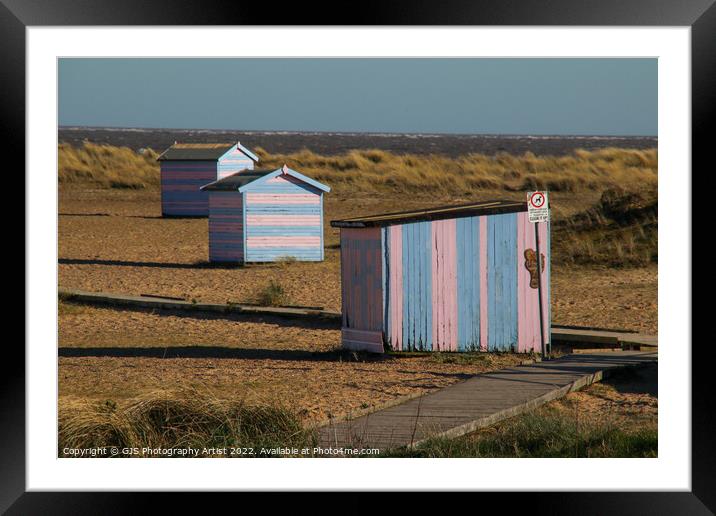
700, 15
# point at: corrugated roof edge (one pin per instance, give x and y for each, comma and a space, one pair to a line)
438, 213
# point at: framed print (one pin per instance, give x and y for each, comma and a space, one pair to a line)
424, 257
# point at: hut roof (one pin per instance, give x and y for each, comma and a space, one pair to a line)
239, 181
439, 213
236, 180
202, 151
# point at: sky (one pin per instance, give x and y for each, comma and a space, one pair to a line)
464, 96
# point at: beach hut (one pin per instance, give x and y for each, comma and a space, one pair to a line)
455, 278
185, 167
265, 216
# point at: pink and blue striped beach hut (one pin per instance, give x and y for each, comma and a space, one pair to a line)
455, 278
265, 216
186, 167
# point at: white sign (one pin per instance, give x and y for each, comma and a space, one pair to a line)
538, 206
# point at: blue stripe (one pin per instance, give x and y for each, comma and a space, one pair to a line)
417, 286
270, 255
502, 280
302, 209
283, 230
281, 188
468, 283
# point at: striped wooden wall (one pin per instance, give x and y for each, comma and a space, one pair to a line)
226, 227
451, 285
180, 183
361, 289
284, 218
232, 162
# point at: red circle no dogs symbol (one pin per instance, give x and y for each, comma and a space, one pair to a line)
537, 199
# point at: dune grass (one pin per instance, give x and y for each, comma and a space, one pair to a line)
376, 171
105, 166
620, 230
381, 171
178, 419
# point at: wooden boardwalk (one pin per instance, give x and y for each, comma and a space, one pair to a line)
610, 338
475, 403
173, 303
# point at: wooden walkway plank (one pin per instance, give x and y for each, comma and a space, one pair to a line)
477, 402
112, 299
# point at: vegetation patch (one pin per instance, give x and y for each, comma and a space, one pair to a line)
544, 433
272, 295
620, 230
374, 171
173, 420
106, 166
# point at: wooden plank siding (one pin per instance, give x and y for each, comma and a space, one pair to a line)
502, 282
226, 227
180, 183
185, 168
447, 285
361, 289
233, 161
283, 220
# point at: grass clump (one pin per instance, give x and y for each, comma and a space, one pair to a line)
620, 230
171, 420
272, 295
544, 433
106, 166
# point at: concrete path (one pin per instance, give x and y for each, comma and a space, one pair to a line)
173, 303
478, 402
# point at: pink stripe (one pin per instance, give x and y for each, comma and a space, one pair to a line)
528, 297
254, 198
396, 287
444, 285
544, 279
283, 241
483, 284
283, 220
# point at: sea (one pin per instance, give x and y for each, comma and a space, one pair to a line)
331, 143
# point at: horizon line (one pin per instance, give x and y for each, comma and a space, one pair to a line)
396, 133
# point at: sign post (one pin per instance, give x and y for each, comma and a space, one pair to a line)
538, 211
